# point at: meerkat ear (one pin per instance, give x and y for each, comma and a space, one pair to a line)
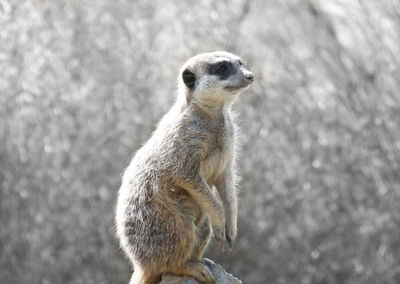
189, 78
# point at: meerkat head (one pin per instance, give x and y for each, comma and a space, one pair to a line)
214, 77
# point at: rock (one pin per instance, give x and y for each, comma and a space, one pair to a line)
220, 275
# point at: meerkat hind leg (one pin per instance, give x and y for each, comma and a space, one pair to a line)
195, 269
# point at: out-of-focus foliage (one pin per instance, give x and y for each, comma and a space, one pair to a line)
82, 84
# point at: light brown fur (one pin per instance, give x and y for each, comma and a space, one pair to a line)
180, 185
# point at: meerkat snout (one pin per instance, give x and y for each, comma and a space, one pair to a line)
249, 76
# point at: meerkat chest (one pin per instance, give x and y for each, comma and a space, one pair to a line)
214, 165
220, 154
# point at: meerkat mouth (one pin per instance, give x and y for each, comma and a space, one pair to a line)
235, 88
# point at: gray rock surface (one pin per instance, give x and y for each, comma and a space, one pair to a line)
220, 275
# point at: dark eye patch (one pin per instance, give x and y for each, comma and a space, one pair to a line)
222, 69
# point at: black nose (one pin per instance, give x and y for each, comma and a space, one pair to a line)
249, 76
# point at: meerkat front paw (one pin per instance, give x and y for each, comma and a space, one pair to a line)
222, 239
219, 233
226, 235
231, 233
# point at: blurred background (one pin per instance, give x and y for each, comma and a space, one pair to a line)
82, 84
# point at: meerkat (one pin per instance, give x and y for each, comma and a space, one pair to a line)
180, 186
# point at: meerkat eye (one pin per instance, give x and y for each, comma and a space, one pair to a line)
222, 68
240, 63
